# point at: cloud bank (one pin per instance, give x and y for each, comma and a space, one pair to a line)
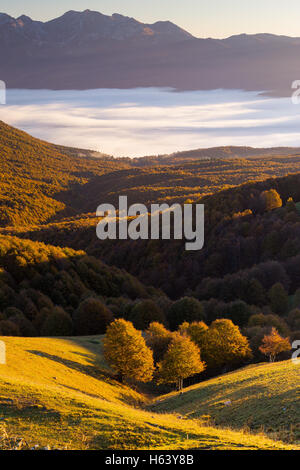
153, 121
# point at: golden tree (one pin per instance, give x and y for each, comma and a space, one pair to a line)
158, 339
126, 351
182, 360
273, 344
224, 344
195, 331
271, 199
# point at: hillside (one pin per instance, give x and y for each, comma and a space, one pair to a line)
215, 153
35, 174
263, 397
248, 240
46, 290
42, 183
59, 393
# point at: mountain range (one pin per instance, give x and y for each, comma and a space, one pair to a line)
85, 50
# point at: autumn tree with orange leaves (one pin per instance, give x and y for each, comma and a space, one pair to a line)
273, 344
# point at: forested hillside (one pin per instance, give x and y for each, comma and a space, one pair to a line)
35, 174
247, 272
42, 183
51, 291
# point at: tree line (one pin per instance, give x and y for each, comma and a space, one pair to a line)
167, 357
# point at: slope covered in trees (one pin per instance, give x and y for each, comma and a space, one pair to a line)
34, 175
249, 265
247, 272
50, 291
42, 182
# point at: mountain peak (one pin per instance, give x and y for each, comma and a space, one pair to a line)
23, 19
4, 18
88, 28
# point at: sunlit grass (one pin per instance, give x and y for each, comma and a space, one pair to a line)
262, 397
60, 393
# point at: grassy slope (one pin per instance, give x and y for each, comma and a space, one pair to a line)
59, 392
263, 396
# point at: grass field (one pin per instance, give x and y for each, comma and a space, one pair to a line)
263, 397
60, 393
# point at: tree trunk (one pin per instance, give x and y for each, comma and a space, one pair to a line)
120, 378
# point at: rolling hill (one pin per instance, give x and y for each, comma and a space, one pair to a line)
59, 393
260, 397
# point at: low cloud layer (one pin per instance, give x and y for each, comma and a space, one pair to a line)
153, 121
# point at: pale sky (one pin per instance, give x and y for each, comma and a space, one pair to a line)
203, 18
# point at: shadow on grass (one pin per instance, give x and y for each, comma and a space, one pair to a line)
92, 370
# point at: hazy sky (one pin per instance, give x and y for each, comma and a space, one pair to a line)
203, 18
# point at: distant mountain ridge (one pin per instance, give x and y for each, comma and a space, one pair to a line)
86, 27
87, 50
214, 153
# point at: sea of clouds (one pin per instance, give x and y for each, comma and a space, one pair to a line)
153, 121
